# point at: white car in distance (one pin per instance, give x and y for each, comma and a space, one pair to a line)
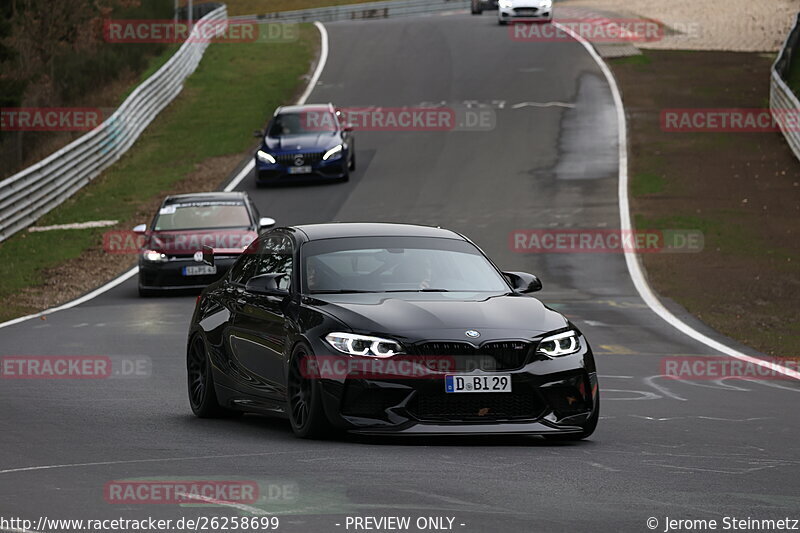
524, 11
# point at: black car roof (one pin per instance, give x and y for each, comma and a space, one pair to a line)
372, 229
205, 197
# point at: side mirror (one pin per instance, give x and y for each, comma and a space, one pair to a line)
522, 282
258, 134
266, 222
208, 255
140, 228
266, 284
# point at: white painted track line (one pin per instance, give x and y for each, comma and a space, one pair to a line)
85, 298
631, 259
323, 58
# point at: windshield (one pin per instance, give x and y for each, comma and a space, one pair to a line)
202, 215
302, 123
397, 264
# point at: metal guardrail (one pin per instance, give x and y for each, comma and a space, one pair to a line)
782, 100
31, 193
370, 10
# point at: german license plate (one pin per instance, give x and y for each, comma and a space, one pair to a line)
477, 383
300, 170
200, 270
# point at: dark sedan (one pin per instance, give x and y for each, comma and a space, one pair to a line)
387, 329
171, 254
305, 143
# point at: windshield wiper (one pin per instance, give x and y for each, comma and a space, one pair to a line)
338, 291
418, 290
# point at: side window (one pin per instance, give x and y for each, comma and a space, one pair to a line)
276, 257
244, 267
255, 212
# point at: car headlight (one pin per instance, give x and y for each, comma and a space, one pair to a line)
264, 157
561, 344
353, 344
332, 152
154, 256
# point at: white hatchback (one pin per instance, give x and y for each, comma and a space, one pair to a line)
524, 11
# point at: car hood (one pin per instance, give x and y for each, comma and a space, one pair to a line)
435, 316
527, 3
303, 143
188, 242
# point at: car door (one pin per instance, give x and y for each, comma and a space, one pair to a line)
260, 329
229, 297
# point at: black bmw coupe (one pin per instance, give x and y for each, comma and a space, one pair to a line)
387, 329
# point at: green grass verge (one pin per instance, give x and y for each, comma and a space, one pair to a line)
644, 183
720, 232
233, 92
637, 60
153, 65
257, 7
736, 242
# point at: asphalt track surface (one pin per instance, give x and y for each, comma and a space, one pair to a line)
699, 449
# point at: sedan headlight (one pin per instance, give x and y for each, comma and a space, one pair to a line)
353, 344
264, 157
561, 344
332, 152
154, 256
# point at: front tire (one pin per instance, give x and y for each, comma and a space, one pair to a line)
200, 381
306, 413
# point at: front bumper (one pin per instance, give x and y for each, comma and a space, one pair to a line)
554, 396
168, 275
320, 170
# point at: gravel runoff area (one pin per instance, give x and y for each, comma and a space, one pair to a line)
718, 25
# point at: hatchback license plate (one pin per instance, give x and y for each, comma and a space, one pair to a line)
478, 383
201, 270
